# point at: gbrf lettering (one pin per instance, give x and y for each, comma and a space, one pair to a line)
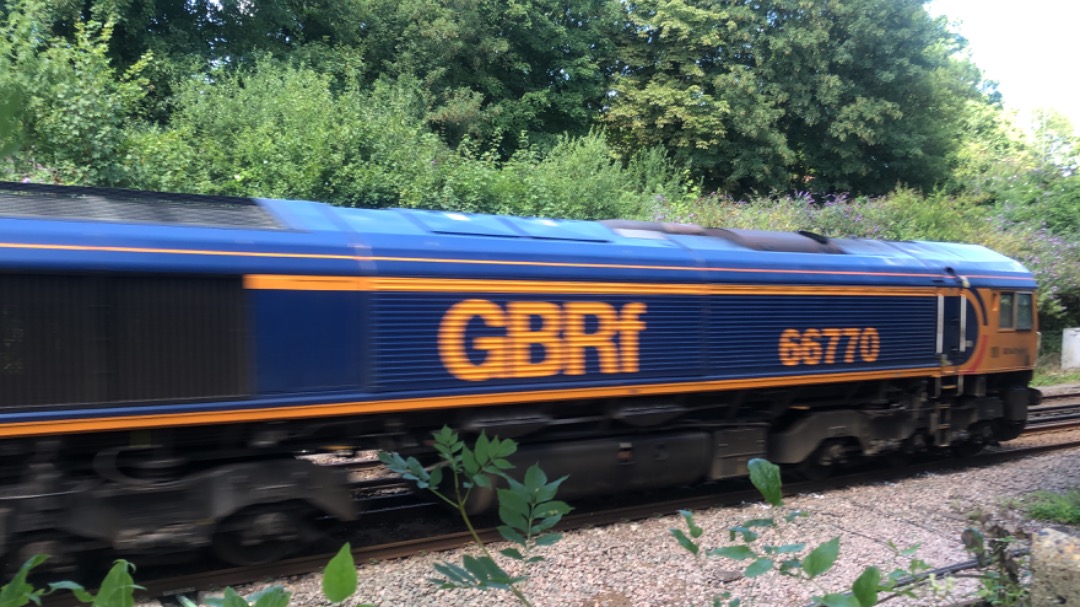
563, 333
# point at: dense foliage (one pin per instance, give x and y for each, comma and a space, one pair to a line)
822, 95
854, 117
827, 95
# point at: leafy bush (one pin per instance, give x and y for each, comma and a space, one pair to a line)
1054, 204
579, 178
66, 106
339, 582
281, 131
910, 577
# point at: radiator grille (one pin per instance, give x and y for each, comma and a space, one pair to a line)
96, 340
48, 341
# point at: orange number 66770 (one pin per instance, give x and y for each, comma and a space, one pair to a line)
817, 346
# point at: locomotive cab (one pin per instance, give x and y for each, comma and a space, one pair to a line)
1014, 339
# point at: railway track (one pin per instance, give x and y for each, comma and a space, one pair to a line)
1059, 397
1057, 411
1050, 418
389, 496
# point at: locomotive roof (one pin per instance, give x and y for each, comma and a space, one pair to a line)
104, 227
619, 250
131, 206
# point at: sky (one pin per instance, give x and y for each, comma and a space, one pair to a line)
1030, 47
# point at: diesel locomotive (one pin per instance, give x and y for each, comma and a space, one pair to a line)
167, 359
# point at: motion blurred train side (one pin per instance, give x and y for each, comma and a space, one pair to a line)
164, 358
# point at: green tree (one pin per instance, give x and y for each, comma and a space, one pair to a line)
281, 130
496, 69
73, 104
1056, 143
192, 37
214, 32
1032, 175
578, 178
821, 95
992, 153
687, 82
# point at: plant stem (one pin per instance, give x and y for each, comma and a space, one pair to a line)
483, 548
460, 505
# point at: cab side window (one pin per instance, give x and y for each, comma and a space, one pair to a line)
1025, 318
1005, 320
1016, 311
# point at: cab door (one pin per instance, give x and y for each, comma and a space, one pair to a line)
952, 327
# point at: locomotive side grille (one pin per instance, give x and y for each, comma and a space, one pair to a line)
177, 338
95, 340
48, 335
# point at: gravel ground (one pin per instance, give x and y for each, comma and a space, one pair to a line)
1059, 389
639, 564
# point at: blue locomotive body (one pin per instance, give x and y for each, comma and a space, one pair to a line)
279, 326
346, 307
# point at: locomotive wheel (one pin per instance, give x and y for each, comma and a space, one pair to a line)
980, 435
897, 459
964, 449
824, 461
259, 535
910, 449
56, 546
1008, 430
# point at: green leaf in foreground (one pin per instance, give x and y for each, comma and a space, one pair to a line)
695, 530
75, 588
118, 588
759, 567
684, 541
838, 600
231, 599
513, 553
549, 539
822, 558
739, 553
339, 580
866, 587
765, 476
274, 596
18, 592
